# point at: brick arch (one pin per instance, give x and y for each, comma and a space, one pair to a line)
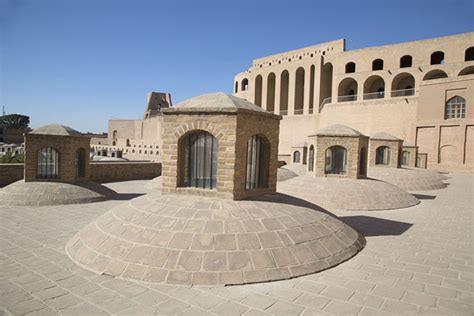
198, 125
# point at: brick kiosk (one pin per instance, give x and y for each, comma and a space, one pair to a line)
232, 122
56, 170
68, 143
350, 159
409, 154
385, 150
208, 226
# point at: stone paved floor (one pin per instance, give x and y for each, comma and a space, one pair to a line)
417, 260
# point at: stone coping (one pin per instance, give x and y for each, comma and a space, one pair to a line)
45, 193
205, 241
216, 111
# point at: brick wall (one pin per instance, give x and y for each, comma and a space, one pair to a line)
395, 151
104, 171
10, 172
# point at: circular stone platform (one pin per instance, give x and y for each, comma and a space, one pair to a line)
204, 241
409, 179
23, 193
348, 194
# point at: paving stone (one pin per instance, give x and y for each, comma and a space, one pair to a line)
171, 306
63, 302
420, 299
342, 308
26, 307
312, 301
259, 301
229, 308
337, 292
50, 293
283, 308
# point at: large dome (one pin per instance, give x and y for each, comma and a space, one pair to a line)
409, 179
198, 240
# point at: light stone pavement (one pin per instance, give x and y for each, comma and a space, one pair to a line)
417, 260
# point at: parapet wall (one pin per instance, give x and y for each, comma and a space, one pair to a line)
104, 171
10, 172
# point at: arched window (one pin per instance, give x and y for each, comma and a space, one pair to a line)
258, 90
374, 88
377, 64
402, 85
128, 142
347, 90
244, 85
455, 108
405, 158
114, 134
363, 162
80, 162
311, 159
437, 58
284, 88
406, 61
336, 160
198, 160
382, 155
435, 74
48, 163
236, 89
258, 162
299, 91
350, 67
271, 92
469, 55
297, 157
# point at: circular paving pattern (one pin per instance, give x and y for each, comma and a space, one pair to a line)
409, 179
53, 193
197, 240
348, 194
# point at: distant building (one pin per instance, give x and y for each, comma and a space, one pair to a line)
135, 139
421, 92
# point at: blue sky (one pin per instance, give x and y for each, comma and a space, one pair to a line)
80, 63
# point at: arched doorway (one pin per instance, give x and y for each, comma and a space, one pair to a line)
336, 160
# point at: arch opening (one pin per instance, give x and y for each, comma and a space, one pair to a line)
197, 156
335, 160
258, 163
325, 92
405, 158
363, 162
258, 90
467, 71
48, 163
284, 81
271, 92
455, 108
403, 85
406, 61
435, 74
347, 90
377, 64
244, 85
437, 58
382, 155
311, 159
299, 91
374, 88
350, 67
296, 157
469, 54
80, 162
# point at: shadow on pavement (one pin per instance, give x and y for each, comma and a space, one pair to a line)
424, 196
373, 226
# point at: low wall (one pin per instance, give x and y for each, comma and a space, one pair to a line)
10, 172
105, 171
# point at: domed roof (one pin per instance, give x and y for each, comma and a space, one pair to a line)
384, 136
218, 101
338, 130
56, 129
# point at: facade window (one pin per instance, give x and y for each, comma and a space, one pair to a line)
80, 162
406, 61
48, 164
469, 55
258, 160
405, 158
244, 85
455, 108
198, 160
377, 64
296, 157
363, 162
382, 155
350, 67
236, 87
128, 142
335, 160
437, 58
311, 159
114, 134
